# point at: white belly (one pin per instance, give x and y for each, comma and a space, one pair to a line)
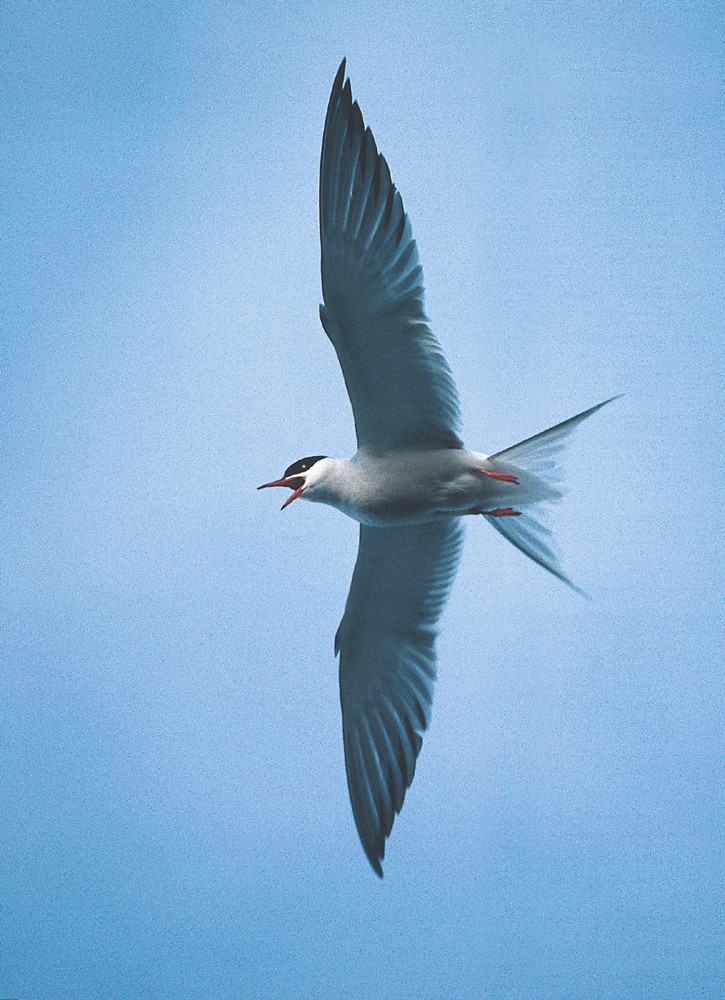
416, 486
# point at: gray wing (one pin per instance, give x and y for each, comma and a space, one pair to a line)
399, 383
386, 642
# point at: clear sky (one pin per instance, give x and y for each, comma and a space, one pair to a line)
174, 817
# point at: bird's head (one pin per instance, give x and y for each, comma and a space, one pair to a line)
300, 477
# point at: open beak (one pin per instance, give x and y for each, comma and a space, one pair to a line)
295, 483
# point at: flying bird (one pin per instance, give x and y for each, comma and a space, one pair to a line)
410, 482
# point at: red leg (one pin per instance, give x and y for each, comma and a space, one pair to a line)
503, 476
498, 512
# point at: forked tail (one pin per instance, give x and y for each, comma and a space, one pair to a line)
540, 455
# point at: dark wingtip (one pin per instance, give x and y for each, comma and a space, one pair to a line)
611, 399
375, 864
573, 586
373, 852
337, 89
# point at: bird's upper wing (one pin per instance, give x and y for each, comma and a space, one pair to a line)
387, 665
399, 383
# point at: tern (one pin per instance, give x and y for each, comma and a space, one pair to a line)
411, 480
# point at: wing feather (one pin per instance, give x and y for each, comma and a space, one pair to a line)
400, 387
386, 642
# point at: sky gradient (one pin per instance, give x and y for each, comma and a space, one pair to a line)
174, 812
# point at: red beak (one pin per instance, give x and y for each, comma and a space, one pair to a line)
295, 483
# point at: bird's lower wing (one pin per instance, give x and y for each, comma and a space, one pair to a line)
386, 642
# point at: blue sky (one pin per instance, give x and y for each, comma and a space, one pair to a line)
175, 818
